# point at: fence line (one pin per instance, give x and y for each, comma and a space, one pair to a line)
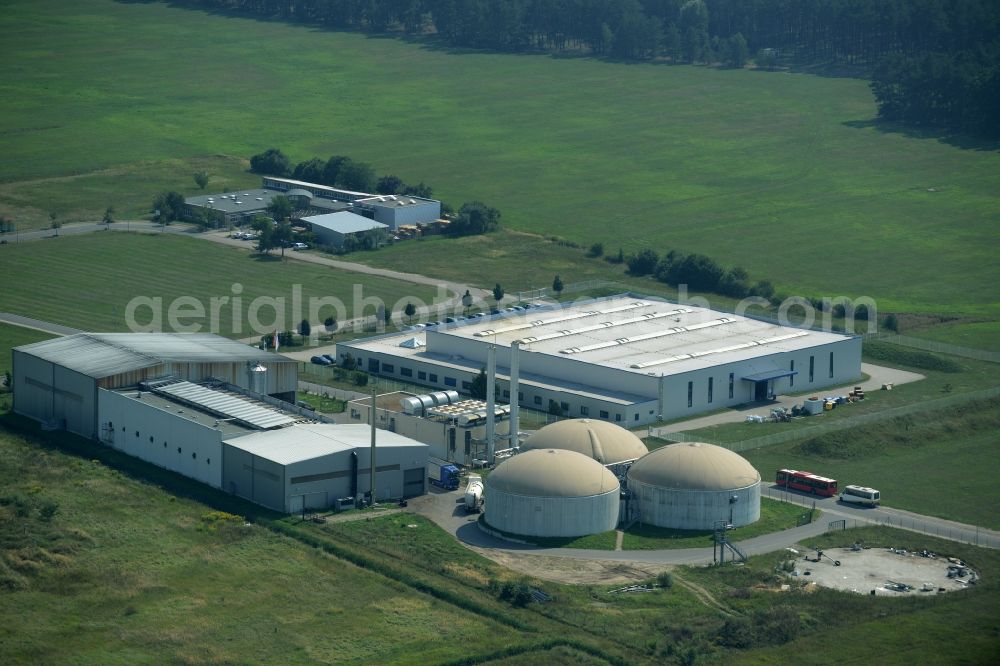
969, 534
941, 347
842, 424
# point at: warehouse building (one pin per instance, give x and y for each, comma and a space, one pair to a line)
392, 210
693, 486
333, 229
552, 493
57, 381
626, 359
272, 453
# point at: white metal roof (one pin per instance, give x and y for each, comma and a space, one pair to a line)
646, 336
100, 355
301, 442
344, 222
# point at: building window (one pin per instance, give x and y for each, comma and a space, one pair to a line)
711, 385
690, 394
355, 414
584, 411
520, 396
538, 399
604, 414
406, 372
373, 365
208, 461
732, 385
136, 433
178, 449
421, 375
831, 365
564, 406
466, 386
618, 417
636, 417
791, 377
506, 394
388, 367
450, 381
194, 455
150, 439
433, 378
812, 367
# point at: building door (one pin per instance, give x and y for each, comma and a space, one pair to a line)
760, 391
413, 482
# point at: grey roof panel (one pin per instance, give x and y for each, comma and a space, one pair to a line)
307, 441
99, 355
227, 405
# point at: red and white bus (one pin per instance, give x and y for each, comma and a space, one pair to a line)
806, 482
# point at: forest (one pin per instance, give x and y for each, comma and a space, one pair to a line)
932, 62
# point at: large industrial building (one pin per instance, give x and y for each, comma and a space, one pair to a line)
625, 359
392, 210
694, 486
552, 493
57, 381
214, 410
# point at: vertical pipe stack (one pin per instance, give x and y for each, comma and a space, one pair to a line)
373, 468
515, 372
491, 402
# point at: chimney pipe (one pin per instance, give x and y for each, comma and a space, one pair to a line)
515, 376
491, 402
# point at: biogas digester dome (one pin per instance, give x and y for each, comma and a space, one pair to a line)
552, 493
693, 486
604, 442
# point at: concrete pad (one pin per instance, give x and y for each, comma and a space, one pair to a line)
872, 569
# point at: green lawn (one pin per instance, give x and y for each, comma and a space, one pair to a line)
975, 334
937, 463
774, 517
127, 572
87, 282
321, 403
109, 102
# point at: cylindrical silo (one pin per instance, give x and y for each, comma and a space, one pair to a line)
605, 442
694, 486
552, 493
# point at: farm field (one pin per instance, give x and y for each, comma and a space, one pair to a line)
87, 281
777, 172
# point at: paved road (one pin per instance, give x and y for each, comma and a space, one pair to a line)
37, 324
142, 226
445, 509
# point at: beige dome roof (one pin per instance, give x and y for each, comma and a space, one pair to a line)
604, 442
551, 473
694, 466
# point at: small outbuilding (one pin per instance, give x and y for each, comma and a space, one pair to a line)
694, 486
605, 442
552, 493
334, 228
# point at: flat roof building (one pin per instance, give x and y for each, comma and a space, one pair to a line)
627, 359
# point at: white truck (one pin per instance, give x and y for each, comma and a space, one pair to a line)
474, 494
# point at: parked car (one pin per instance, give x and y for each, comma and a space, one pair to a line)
329, 358
450, 320
299, 246
319, 360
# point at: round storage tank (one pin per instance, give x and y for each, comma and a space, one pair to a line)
552, 493
606, 443
694, 486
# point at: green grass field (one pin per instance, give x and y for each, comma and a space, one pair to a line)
975, 334
87, 282
779, 172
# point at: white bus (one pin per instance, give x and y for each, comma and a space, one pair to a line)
860, 495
